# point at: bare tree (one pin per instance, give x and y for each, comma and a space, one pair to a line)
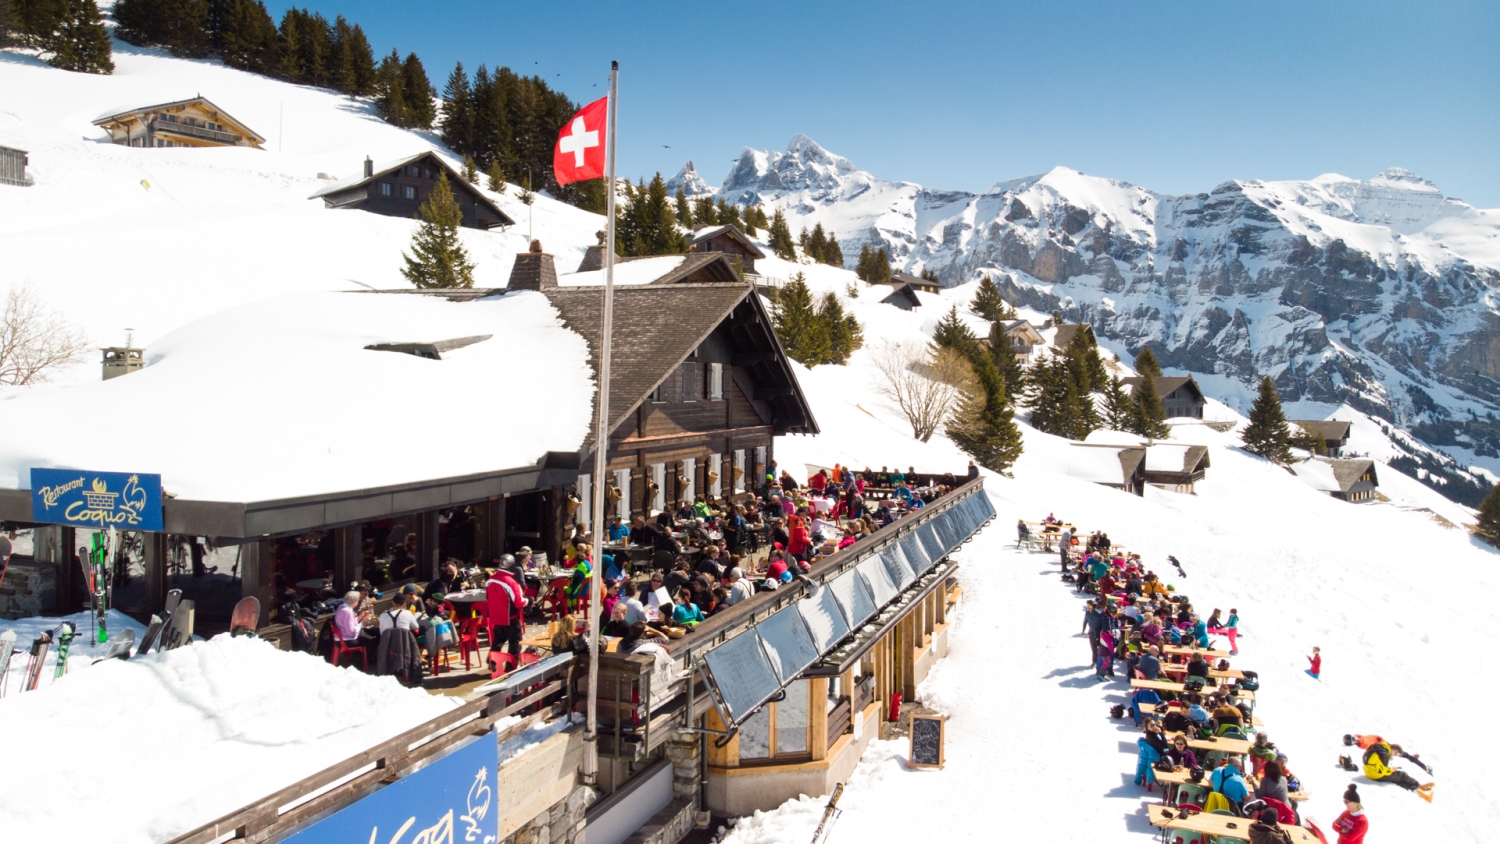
926, 385
35, 340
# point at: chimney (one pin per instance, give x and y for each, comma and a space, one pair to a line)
369, 167
533, 270
593, 257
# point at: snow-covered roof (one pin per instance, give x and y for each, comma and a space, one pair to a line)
1102, 464
354, 181
640, 271
1105, 436
282, 399
1174, 457
733, 231
1317, 474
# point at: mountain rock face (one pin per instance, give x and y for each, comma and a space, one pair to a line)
1381, 293
689, 182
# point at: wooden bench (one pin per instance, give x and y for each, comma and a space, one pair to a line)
1168, 686
1217, 674
1221, 744
1179, 650
1220, 825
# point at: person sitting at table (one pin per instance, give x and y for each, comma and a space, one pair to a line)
640, 534
1228, 780
1227, 714
617, 531
610, 595
702, 588
640, 635
734, 528
675, 579
1152, 585
1050, 520
684, 511
1149, 666
665, 546
634, 609
1150, 630
1273, 784
1200, 717
1200, 632
685, 613
1176, 719
399, 653
711, 563
1179, 754
1150, 746
739, 587
346, 622
1265, 829
567, 631
788, 483
617, 625
1133, 583
1197, 667
447, 579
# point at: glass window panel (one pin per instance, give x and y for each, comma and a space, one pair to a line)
742, 673
787, 643
825, 619
791, 720
755, 735
916, 555
854, 597
879, 580
895, 566
930, 541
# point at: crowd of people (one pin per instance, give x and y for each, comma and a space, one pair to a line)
1132, 619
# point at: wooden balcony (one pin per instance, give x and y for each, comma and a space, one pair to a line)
187, 131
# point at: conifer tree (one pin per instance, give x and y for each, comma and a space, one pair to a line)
362, 60
1150, 413
984, 425
1267, 434
493, 134
458, 112
952, 333
845, 335
439, 260
748, 223
7, 21
873, 266
341, 69
390, 100
802, 334
930, 275
81, 43
1488, 523
244, 35
705, 213
779, 237
496, 178
1004, 357
1119, 412
817, 244
988, 303
1146, 365
833, 256
684, 209
34, 22
648, 224
470, 171
418, 93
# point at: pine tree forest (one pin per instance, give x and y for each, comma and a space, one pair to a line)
69, 33
984, 424
814, 334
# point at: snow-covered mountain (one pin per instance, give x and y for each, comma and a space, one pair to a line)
1380, 294
689, 182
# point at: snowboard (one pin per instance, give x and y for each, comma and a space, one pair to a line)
153, 630
39, 648
179, 630
245, 618
119, 648
7, 648
66, 631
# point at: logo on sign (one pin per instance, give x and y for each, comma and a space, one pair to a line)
96, 499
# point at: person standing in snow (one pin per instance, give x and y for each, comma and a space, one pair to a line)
973, 471
1229, 628
1094, 622
1352, 825
1316, 663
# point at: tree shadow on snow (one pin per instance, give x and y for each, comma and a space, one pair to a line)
27, 59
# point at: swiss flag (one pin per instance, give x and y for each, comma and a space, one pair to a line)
579, 153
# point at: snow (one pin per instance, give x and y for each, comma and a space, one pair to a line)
1095, 464
318, 412
81, 654
168, 741
638, 271
1317, 474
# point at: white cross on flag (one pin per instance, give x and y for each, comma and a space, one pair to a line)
579, 153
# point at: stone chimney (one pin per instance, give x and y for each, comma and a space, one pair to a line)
121, 360
533, 270
369, 167
593, 257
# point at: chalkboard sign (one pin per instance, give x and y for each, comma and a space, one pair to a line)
926, 741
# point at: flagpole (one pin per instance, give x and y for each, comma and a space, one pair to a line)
601, 441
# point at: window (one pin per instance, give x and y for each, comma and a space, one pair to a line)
427, 172
412, 171
409, 192
691, 384
716, 382
778, 730
387, 189
659, 395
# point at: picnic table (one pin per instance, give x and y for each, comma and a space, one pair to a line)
1167, 686
1179, 650
1223, 826
1181, 776
1216, 673
544, 642
1219, 743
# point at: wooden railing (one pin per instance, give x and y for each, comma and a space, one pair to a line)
159, 125
541, 691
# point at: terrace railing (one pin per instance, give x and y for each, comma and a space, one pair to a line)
188, 130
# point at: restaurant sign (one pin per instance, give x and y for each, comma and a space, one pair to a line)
127, 501
449, 801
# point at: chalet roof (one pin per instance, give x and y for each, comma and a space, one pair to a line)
1333, 474
1176, 457
204, 101
385, 168
1348, 472
1065, 333
1021, 326
1110, 464
914, 280
659, 325
1329, 430
1165, 384
902, 292
716, 265
710, 232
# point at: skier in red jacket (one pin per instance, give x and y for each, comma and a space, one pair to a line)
1316, 661
1352, 824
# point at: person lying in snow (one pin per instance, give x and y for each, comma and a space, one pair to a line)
1378, 753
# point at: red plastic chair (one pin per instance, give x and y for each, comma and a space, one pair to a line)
468, 638
557, 597
502, 662
482, 615
342, 649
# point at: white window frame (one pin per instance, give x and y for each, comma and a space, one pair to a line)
716, 465
738, 484
659, 475
716, 382
585, 489
690, 471
622, 507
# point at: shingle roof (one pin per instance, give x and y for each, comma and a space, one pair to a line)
716, 266
733, 231
914, 280
902, 291
455, 178
1348, 472
1165, 384
1015, 326
1331, 429
1065, 333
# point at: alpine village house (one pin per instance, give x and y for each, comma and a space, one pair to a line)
186, 123
398, 188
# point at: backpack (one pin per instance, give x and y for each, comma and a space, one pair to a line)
303, 638
1193, 684
1251, 682
1117, 711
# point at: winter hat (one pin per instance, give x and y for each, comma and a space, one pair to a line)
1268, 816
1351, 794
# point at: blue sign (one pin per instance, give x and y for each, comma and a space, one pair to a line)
96, 499
451, 801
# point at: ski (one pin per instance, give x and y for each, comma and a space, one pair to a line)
245, 618
830, 812
119, 648
180, 629
99, 556
39, 648
66, 631
153, 630
7, 649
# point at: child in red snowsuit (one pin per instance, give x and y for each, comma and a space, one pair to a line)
1316, 661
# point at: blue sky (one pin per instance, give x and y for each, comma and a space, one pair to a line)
1174, 96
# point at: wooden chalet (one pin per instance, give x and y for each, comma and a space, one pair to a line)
184, 123
917, 282
1354, 481
1065, 332
1332, 434
1175, 466
1115, 466
13, 167
1024, 338
1180, 395
903, 296
728, 240
398, 189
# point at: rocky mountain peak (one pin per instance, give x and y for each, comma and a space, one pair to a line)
689, 182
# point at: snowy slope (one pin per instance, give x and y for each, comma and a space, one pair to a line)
152, 238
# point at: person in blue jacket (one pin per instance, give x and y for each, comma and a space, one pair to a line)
1200, 632
1150, 748
1228, 780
